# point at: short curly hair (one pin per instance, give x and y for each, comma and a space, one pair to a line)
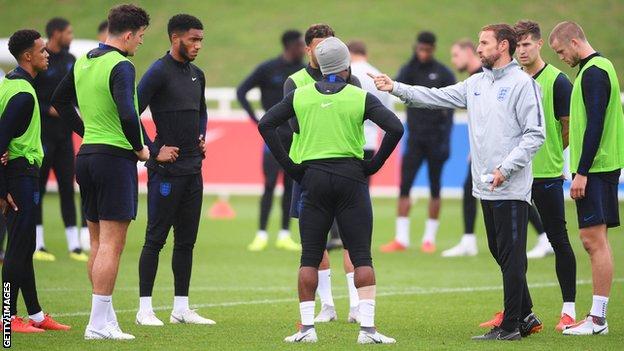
183, 23
319, 30
128, 17
21, 41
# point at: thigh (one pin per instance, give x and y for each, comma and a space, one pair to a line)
21, 223
116, 185
163, 196
548, 199
354, 215
317, 214
510, 219
591, 210
270, 168
411, 162
88, 189
64, 163
188, 211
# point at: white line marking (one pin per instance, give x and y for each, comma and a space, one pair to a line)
407, 291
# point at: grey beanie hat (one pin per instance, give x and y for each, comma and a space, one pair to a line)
332, 55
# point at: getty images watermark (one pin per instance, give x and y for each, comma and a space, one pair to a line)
6, 315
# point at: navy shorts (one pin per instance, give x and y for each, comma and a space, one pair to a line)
600, 204
108, 187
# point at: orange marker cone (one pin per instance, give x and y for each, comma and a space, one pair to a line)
221, 209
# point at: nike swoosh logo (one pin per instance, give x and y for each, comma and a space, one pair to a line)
85, 66
499, 204
194, 79
178, 319
477, 94
596, 332
585, 219
301, 338
548, 186
323, 105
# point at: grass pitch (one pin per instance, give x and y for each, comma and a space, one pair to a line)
425, 302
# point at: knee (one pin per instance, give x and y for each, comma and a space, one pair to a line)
312, 258
153, 244
183, 246
590, 242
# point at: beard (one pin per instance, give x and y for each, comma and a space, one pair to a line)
489, 61
184, 53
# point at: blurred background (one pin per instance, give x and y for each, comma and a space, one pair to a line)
241, 34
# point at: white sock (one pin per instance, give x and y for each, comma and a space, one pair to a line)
469, 239
402, 231
324, 287
262, 234
542, 240
85, 239
569, 308
283, 233
111, 316
100, 304
39, 239
37, 317
145, 304
180, 304
73, 241
431, 229
367, 313
599, 306
354, 299
306, 311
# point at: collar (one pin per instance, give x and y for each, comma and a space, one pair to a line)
170, 58
20, 73
540, 71
497, 73
333, 78
106, 47
585, 60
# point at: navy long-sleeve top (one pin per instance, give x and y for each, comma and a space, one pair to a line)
174, 91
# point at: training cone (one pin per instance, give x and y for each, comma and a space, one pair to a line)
221, 209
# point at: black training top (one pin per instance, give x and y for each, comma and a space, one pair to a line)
59, 64
174, 91
14, 122
270, 77
346, 167
122, 88
422, 122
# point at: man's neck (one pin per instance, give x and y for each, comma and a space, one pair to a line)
535, 67
502, 62
53, 46
116, 43
585, 51
29, 69
176, 56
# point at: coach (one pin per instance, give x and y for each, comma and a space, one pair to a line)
506, 128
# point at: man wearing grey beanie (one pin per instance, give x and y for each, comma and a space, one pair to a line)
326, 158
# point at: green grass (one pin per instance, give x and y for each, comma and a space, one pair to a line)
252, 296
239, 34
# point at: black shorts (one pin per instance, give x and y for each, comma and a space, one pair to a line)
419, 149
325, 196
600, 204
108, 187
